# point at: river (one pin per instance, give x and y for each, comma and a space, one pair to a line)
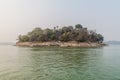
54, 63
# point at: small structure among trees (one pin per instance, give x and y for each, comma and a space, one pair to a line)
77, 33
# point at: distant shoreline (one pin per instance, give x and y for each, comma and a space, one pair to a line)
60, 44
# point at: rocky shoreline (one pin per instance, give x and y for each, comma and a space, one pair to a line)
60, 44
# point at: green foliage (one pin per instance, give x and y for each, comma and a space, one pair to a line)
35, 34
80, 38
64, 37
100, 38
78, 26
23, 38
64, 34
49, 34
68, 36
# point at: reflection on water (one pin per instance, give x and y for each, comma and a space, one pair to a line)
54, 63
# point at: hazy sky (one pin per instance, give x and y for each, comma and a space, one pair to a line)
20, 16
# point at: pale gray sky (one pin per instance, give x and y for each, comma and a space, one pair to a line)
20, 16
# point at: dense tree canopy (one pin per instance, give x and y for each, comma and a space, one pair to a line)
67, 33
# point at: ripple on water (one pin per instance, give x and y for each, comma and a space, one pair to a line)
53, 63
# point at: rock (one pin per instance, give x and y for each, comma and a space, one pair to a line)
60, 44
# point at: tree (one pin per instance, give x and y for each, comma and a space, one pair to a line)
35, 34
78, 26
64, 37
23, 38
100, 38
80, 38
65, 34
70, 36
49, 34
64, 29
70, 28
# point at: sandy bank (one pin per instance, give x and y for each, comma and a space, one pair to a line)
60, 44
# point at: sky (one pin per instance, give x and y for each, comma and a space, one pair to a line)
21, 16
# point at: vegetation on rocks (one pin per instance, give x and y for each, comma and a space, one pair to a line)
77, 33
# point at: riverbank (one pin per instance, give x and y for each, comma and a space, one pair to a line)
60, 44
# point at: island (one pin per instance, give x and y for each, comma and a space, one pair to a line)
113, 42
67, 36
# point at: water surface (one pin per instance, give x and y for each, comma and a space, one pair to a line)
54, 63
